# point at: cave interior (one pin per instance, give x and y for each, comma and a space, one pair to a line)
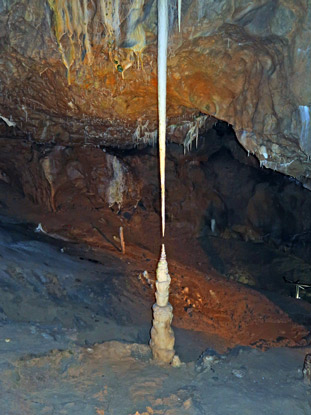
80, 208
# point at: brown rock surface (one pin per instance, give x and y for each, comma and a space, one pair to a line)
220, 204
73, 75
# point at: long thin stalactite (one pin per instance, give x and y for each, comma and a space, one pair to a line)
162, 75
179, 13
162, 70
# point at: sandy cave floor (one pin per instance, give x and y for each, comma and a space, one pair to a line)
75, 326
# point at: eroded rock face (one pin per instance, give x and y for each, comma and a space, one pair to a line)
216, 190
85, 72
62, 178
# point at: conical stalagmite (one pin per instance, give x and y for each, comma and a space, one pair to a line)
162, 336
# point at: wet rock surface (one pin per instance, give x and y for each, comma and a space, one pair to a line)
73, 73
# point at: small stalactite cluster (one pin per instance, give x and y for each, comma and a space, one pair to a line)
110, 14
78, 25
70, 21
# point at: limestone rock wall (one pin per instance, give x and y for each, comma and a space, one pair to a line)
215, 193
78, 72
64, 178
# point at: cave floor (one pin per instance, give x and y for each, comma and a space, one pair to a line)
74, 330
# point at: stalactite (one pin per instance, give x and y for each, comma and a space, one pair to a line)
60, 30
87, 43
162, 70
179, 14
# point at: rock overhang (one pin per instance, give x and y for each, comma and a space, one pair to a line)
76, 73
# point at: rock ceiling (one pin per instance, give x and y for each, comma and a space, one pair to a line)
84, 72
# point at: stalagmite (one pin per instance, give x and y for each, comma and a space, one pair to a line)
122, 243
162, 336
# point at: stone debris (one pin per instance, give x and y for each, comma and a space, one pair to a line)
207, 360
239, 373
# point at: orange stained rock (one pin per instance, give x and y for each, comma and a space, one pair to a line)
153, 81
110, 79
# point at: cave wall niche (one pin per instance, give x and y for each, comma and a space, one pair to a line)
85, 73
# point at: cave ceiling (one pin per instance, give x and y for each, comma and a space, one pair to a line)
84, 72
